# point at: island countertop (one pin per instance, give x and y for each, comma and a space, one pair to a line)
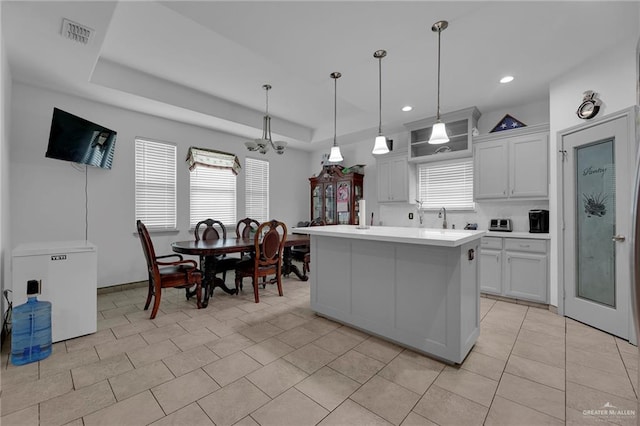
396, 234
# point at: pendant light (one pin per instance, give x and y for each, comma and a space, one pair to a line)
262, 145
380, 146
438, 132
335, 156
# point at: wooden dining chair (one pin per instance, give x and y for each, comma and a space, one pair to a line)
164, 274
303, 253
211, 230
268, 245
245, 228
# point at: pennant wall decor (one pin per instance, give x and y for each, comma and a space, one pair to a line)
508, 123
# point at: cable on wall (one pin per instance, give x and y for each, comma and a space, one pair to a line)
86, 203
79, 167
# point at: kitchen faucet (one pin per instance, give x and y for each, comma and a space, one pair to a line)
444, 222
420, 212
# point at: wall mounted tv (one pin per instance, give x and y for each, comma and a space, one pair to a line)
73, 138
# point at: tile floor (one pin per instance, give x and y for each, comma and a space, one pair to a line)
277, 363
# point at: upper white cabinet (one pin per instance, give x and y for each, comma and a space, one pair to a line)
394, 178
513, 164
459, 125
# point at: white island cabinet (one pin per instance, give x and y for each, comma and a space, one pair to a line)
417, 287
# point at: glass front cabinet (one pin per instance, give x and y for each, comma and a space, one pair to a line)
335, 196
459, 125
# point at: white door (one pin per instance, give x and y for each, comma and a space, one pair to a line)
491, 175
491, 271
596, 202
383, 167
528, 157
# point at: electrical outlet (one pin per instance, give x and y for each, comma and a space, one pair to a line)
411, 216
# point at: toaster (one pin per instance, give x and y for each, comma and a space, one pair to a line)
503, 225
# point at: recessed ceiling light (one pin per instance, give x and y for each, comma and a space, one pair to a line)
407, 108
506, 79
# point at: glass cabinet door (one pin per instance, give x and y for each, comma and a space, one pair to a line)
343, 202
357, 197
330, 203
316, 202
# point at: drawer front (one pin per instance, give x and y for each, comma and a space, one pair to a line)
491, 243
518, 244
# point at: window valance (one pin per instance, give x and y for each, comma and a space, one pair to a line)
212, 158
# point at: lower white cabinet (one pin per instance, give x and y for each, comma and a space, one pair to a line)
515, 267
491, 265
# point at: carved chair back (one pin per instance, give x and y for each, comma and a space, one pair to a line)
210, 232
245, 227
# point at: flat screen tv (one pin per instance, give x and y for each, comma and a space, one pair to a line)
73, 138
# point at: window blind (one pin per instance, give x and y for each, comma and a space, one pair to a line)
155, 164
447, 185
212, 195
257, 189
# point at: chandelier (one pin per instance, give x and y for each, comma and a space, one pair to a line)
262, 145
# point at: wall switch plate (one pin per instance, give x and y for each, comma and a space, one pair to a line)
411, 216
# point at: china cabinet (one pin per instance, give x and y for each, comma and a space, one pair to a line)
335, 195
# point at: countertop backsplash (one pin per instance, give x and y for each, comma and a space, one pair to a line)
517, 211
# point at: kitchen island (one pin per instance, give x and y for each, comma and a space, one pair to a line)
416, 287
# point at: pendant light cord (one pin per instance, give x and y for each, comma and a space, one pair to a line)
380, 95
438, 112
335, 108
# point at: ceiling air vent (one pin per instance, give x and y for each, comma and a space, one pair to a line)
75, 31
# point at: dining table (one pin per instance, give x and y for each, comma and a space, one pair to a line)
211, 250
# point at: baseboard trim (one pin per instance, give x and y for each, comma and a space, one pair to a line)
122, 287
518, 301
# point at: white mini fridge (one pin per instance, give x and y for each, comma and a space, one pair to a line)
69, 274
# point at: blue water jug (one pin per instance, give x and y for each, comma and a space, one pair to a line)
31, 328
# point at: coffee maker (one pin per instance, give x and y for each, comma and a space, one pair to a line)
539, 221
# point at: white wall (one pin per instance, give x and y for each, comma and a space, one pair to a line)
5, 116
531, 113
397, 214
47, 196
360, 153
613, 76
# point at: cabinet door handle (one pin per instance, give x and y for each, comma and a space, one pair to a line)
504, 192
618, 238
497, 258
508, 259
511, 190
525, 245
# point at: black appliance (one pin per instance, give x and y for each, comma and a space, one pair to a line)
539, 221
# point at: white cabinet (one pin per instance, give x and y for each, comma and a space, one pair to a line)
514, 165
459, 126
491, 177
394, 179
515, 267
69, 273
491, 265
